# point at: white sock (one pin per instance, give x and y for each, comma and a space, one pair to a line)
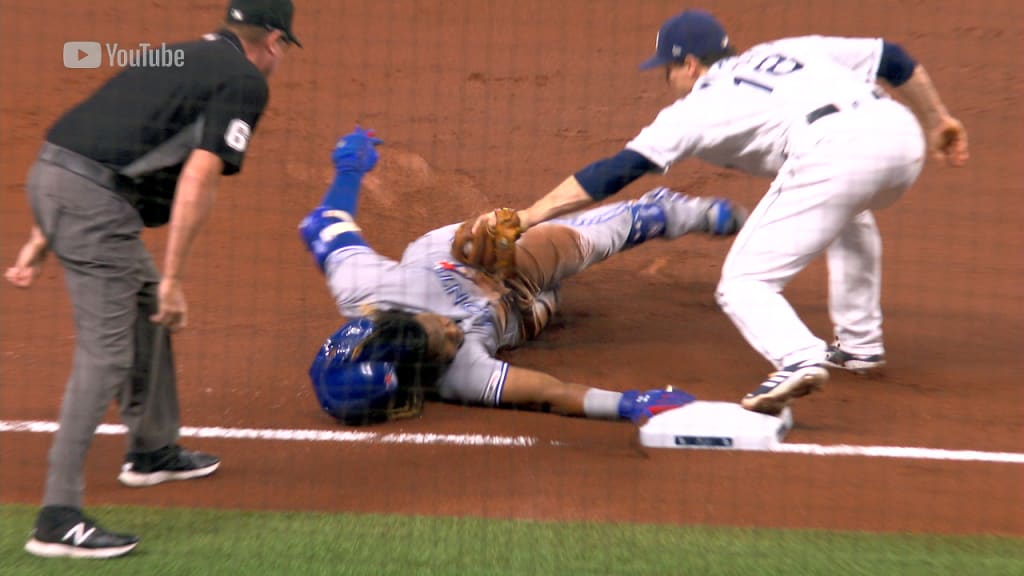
601, 404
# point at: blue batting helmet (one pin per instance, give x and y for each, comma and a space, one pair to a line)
356, 384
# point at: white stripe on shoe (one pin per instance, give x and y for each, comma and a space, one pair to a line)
128, 477
782, 386
58, 550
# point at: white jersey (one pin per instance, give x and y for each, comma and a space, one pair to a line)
808, 113
745, 111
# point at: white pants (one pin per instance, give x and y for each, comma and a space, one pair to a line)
839, 169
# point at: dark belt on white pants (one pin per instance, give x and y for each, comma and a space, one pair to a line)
819, 113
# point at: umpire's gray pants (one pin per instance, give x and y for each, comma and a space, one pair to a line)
113, 286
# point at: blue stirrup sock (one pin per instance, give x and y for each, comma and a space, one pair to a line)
648, 222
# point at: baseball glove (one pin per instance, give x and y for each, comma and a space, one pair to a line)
493, 248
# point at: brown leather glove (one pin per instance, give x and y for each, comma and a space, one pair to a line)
491, 249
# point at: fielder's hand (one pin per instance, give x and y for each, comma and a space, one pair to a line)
489, 220
948, 141
489, 247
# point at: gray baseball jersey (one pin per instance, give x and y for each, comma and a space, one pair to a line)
428, 280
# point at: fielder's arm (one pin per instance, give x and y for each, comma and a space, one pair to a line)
591, 184
567, 197
947, 137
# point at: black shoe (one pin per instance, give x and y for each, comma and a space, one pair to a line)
168, 463
64, 532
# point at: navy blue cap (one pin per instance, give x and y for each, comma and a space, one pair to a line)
692, 32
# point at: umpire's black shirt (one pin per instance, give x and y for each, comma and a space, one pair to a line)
145, 121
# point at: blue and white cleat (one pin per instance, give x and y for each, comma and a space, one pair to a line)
637, 406
782, 386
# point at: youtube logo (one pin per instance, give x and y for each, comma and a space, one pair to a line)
82, 55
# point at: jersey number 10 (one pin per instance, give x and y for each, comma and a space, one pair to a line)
774, 65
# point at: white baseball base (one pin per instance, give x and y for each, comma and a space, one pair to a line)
716, 425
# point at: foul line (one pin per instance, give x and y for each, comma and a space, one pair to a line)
343, 436
354, 437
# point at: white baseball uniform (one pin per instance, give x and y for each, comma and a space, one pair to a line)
806, 112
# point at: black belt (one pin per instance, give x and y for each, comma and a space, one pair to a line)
154, 210
819, 113
85, 167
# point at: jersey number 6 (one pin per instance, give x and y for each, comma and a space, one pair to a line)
237, 135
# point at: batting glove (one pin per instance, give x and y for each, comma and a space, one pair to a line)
356, 152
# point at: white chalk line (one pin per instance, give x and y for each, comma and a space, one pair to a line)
342, 436
473, 440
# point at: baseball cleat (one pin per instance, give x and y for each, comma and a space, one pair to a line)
636, 406
64, 532
858, 363
782, 386
725, 218
169, 463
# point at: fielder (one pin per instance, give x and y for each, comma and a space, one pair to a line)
428, 324
806, 112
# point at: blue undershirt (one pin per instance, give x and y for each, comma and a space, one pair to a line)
606, 177
896, 66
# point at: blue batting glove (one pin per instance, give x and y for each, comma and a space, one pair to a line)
356, 152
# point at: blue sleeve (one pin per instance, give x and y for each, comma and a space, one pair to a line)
606, 177
331, 226
896, 66
344, 191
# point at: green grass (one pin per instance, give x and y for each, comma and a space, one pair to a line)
193, 542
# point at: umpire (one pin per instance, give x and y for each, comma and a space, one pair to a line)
148, 148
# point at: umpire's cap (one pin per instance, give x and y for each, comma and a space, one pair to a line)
691, 32
271, 14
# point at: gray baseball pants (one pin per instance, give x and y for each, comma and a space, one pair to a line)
95, 233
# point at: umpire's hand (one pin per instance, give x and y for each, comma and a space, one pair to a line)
173, 311
29, 262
